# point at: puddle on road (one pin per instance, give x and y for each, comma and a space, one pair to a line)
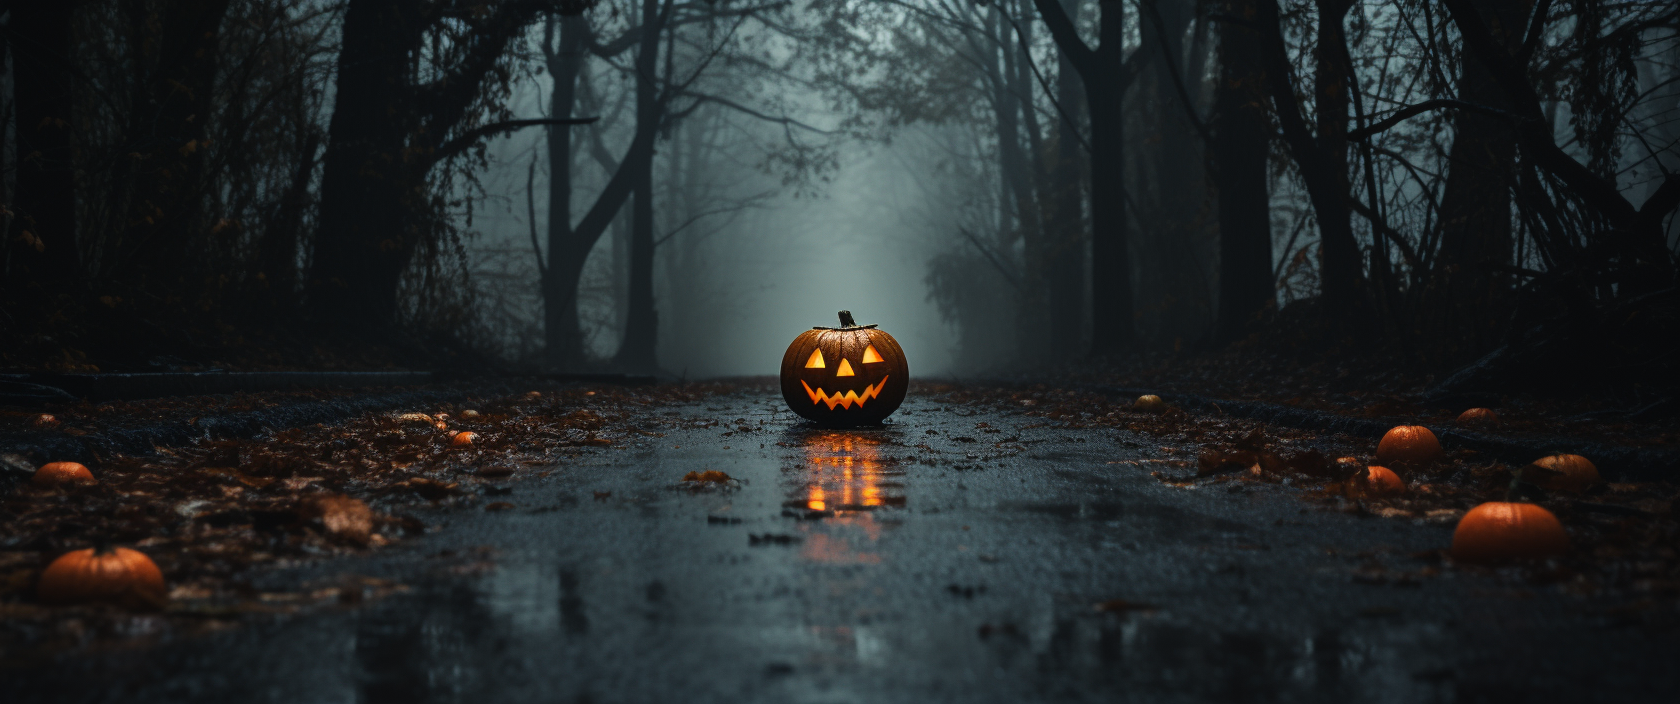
846, 472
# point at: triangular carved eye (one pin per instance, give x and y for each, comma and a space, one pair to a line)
845, 368
816, 360
870, 355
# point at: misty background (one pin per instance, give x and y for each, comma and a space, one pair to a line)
682, 187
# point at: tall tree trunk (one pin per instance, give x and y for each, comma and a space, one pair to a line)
1340, 262
1016, 182
1102, 72
1173, 282
1240, 145
562, 332
278, 265
639, 351
386, 134
43, 234
365, 237
1064, 229
1476, 204
171, 128
5, 119
1322, 160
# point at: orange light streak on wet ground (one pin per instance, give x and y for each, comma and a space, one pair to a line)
847, 474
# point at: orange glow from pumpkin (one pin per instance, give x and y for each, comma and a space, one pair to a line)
870, 355
816, 360
846, 476
845, 400
845, 369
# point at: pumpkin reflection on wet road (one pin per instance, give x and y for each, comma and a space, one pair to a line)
894, 565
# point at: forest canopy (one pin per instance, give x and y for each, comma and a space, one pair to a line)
1474, 185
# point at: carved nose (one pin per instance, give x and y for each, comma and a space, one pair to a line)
845, 369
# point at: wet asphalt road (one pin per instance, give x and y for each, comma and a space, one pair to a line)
951, 573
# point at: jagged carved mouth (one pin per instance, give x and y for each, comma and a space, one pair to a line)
845, 400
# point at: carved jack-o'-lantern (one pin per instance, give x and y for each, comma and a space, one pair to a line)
850, 375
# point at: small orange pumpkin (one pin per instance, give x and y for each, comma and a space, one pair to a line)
1498, 531
1478, 417
1578, 473
54, 474
1408, 445
1149, 403
1383, 481
464, 438
118, 575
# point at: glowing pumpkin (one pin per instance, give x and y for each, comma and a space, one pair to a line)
115, 575
1575, 473
1408, 445
1149, 403
54, 474
845, 376
1498, 531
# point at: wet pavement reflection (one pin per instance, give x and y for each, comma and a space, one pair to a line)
891, 565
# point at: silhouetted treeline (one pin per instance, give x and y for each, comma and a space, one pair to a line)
1441, 177
1444, 178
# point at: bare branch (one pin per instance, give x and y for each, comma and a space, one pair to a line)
1409, 111
466, 141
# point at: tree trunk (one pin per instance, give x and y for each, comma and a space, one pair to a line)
1240, 145
278, 265
1323, 160
365, 237
1175, 242
1064, 231
1102, 72
639, 351
43, 237
386, 134
1476, 204
1032, 339
1340, 262
563, 334
165, 203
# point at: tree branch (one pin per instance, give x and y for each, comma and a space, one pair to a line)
1410, 111
784, 121
1007, 275
466, 141
1066, 36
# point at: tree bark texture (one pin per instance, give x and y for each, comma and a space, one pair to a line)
1241, 136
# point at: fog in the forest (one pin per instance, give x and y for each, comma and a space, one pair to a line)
653, 186
733, 293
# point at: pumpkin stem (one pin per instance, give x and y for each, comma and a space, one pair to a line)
846, 320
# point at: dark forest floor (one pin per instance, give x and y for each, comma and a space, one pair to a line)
220, 512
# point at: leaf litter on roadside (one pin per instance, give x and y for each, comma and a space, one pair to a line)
1626, 536
212, 513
